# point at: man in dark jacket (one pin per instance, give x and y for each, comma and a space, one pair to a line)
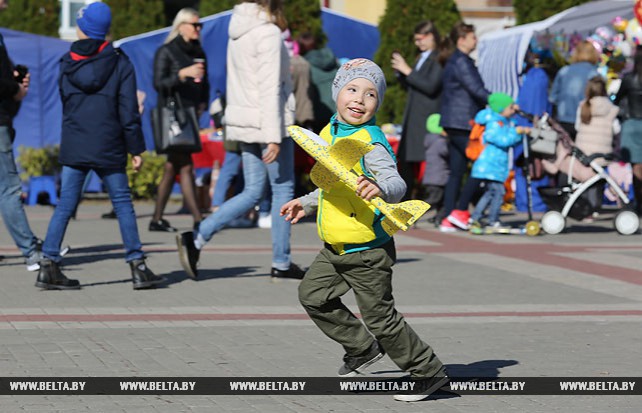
13, 88
100, 126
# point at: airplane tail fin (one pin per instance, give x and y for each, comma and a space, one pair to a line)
402, 216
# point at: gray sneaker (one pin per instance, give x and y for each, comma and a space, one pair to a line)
425, 388
33, 261
354, 365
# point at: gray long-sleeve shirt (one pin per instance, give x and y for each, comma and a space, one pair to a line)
380, 165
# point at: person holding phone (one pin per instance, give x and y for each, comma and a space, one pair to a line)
13, 89
180, 67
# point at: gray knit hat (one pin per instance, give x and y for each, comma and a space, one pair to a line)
357, 68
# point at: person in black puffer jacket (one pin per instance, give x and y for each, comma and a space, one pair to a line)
463, 95
100, 126
177, 72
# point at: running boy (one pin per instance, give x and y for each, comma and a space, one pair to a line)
492, 165
358, 254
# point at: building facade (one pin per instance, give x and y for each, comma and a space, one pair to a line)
486, 15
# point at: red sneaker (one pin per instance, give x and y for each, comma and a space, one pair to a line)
459, 218
446, 226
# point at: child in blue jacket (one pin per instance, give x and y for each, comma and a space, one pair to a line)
492, 165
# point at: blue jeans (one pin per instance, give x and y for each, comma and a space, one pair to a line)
230, 169
11, 208
118, 187
493, 198
280, 175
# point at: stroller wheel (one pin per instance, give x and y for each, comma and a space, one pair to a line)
626, 222
532, 228
553, 222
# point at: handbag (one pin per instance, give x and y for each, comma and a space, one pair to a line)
175, 127
543, 141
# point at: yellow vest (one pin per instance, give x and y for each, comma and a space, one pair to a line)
344, 220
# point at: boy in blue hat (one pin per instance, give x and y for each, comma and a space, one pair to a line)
100, 126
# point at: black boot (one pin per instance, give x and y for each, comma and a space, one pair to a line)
51, 278
142, 276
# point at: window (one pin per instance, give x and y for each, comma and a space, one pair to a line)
68, 10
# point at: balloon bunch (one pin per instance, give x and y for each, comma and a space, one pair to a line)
614, 43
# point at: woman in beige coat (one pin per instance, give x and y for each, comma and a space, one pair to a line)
596, 124
260, 105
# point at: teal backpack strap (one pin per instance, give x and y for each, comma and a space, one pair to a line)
377, 136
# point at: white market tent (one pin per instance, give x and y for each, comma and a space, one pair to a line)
502, 53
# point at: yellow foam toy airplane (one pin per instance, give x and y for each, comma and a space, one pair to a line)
335, 163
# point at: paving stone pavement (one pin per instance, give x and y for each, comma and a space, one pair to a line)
507, 306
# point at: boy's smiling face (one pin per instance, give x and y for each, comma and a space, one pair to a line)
357, 102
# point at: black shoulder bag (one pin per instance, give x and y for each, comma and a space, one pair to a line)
175, 126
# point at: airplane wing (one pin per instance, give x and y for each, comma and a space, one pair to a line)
349, 151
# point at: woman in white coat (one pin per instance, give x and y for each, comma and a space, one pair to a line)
260, 105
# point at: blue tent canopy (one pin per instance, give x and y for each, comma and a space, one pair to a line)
40, 117
39, 120
348, 37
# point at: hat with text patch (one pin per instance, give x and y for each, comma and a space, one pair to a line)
359, 68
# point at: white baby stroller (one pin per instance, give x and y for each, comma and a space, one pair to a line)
583, 171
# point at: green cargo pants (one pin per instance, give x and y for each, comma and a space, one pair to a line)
369, 274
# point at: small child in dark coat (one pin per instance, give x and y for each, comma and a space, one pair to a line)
437, 169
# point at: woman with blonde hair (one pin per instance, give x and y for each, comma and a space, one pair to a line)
180, 69
260, 105
570, 83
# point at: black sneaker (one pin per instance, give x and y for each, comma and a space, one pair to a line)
424, 388
292, 273
109, 215
354, 365
188, 254
51, 278
161, 226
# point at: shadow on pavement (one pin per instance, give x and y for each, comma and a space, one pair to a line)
485, 368
488, 369
406, 260
125, 281
176, 277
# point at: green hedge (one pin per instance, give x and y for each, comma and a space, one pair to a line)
32, 16
396, 27
145, 182
528, 11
